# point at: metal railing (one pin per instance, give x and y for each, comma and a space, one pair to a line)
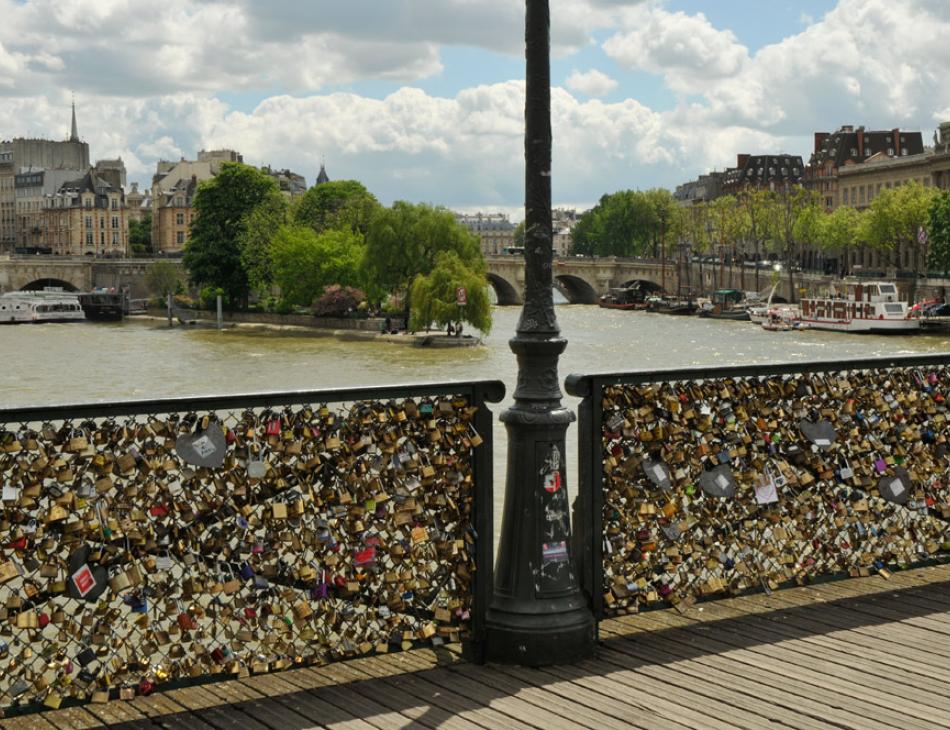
158, 542
705, 482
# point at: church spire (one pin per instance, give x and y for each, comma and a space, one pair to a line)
74, 132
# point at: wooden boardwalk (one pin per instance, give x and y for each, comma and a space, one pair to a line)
855, 654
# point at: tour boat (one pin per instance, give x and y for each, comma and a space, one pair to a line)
870, 306
45, 306
14, 310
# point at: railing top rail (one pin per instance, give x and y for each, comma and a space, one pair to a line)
581, 385
492, 391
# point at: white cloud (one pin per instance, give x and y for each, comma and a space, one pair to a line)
685, 49
591, 83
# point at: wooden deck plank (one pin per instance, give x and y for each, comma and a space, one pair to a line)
585, 707
682, 707
875, 688
516, 706
28, 722
227, 717
367, 709
590, 707
708, 683
114, 713
833, 650
850, 644
320, 712
425, 714
735, 674
833, 618
269, 685
194, 698
461, 705
157, 704
806, 685
72, 717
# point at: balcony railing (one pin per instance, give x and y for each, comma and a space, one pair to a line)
707, 482
153, 543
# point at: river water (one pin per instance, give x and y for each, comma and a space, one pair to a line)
78, 362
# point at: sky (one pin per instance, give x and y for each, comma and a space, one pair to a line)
423, 100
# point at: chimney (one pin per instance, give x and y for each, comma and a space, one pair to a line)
896, 136
741, 161
860, 144
820, 138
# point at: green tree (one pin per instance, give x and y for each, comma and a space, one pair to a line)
403, 241
336, 204
304, 263
163, 278
839, 231
893, 222
727, 229
519, 235
434, 295
254, 241
140, 234
793, 219
756, 205
221, 206
625, 223
939, 226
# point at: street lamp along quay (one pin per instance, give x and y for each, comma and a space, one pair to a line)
537, 614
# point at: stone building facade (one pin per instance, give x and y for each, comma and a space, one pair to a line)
849, 147
86, 216
494, 230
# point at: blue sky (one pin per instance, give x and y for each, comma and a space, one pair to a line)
423, 99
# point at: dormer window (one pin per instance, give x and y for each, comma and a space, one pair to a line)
904, 152
890, 151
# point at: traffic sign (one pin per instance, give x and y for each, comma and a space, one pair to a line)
461, 296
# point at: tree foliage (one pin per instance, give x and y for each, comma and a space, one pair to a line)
793, 219
163, 278
304, 262
402, 242
221, 206
939, 227
140, 234
259, 227
629, 223
434, 295
895, 217
336, 204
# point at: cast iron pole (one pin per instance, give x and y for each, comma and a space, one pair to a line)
538, 614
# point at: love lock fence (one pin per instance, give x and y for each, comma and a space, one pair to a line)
152, 543
700, 483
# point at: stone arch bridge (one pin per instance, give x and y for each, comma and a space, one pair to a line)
74, 273
584, 280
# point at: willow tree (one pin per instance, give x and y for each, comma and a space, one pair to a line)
435, 295
402, 242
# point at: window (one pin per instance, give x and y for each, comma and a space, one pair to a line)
102, 239
861, 194
890, 151
88, 221
115, 204
102, 223
115, 238
180, 219
115, 222
89, 238
904, 152
180, 237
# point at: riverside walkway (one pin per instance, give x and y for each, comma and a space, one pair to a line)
862, 653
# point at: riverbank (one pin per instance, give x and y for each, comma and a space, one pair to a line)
347, 329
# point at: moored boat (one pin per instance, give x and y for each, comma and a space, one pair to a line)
667, 305
867, 306
46, 306
623, 298
102, 306
14, 310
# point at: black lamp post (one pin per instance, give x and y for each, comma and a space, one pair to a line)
538, 614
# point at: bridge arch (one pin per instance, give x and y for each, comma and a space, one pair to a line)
575, 289
40, 284
644, 285
505, 292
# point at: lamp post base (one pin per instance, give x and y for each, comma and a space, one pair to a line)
563, 634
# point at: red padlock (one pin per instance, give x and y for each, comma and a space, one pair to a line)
43, 620
186, 622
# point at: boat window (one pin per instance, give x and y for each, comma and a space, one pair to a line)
894, 308
887, 289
